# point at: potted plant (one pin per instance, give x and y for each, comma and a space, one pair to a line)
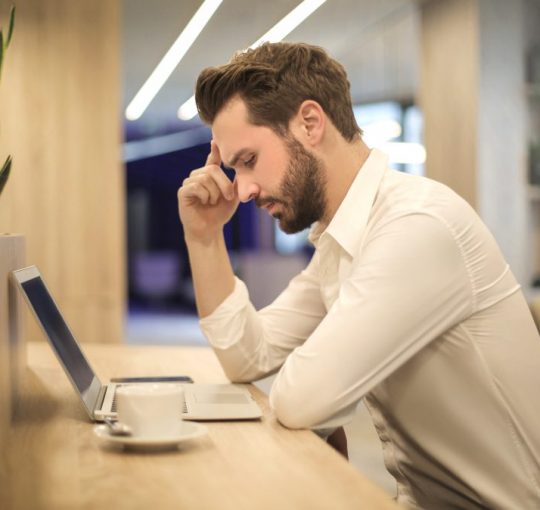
12, 345
4, 43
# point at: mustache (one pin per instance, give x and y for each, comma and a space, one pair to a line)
261, 202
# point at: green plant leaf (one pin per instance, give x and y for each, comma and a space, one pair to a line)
1, 50
11, 25
4, 173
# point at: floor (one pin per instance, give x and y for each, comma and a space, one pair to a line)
173, 329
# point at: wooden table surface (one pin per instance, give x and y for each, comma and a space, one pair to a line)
54, 461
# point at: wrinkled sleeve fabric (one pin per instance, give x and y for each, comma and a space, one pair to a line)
252, 344
409, 284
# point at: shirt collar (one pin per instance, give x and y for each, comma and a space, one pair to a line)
350, 220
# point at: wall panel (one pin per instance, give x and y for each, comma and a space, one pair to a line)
448, 92
472, 96
60, 118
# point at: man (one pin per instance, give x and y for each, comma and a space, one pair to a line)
406, 303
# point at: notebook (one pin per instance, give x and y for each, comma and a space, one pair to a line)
202, 401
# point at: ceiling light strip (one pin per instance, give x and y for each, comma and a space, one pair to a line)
287, 24
171, 59
188, 110
278, 32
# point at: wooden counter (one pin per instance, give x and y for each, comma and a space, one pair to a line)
54, 461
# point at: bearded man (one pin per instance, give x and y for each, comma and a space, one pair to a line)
407, 302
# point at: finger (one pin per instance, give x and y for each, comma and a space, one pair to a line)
194, 191
214, 158
206, 181
214, 193
223, 182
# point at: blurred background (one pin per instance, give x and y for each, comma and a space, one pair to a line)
469, 61
163, 144
97, 111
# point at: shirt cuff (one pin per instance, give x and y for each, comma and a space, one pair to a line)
217, 326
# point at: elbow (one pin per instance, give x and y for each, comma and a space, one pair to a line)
236, 369
302, 412
237, 374
242, 369
292, 411
239, 378
298, 406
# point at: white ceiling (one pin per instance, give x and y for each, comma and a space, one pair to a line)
376, 41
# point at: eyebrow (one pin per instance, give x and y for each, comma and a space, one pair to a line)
236, 157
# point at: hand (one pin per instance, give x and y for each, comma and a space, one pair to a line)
207, 199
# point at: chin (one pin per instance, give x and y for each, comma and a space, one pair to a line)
292, 225
288, 229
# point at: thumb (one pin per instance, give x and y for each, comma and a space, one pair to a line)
214, 158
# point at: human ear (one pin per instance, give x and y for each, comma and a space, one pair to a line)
311, 121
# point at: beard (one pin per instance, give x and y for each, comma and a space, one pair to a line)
302, 191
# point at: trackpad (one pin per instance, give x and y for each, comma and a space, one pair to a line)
220, 398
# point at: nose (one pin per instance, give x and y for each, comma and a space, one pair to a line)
247, 189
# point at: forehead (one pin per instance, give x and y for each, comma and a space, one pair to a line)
233, 132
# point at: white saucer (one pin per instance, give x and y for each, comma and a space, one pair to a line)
186, 430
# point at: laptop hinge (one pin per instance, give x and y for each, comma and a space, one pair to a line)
100, 398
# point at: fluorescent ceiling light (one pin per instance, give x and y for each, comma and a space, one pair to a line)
168, 63
278, 32
188, 110
286, 25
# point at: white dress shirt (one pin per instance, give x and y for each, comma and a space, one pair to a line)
409, 304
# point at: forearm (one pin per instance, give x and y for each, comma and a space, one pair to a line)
251, 344
213, 277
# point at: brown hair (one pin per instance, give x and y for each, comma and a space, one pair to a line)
273, 80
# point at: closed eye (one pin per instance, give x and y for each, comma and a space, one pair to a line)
249, 163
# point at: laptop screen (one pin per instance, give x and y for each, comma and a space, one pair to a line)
59, 335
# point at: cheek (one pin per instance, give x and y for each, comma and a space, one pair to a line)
273, 171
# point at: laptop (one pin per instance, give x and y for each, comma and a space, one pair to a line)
202, 401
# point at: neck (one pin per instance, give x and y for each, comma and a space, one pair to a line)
343, 160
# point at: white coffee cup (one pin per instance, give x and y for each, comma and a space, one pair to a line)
151, 410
